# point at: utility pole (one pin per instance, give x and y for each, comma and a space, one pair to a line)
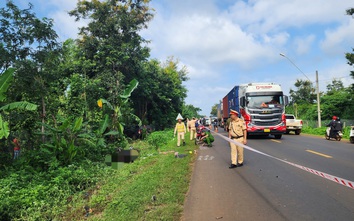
317, 88
318, 101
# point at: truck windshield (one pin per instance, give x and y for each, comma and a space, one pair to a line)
265, 101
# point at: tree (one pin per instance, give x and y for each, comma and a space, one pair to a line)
111, 50
189, 111
30, 45
305, 93
214, 110
111, 41
160, 96
5, 81
350, 56
336, 85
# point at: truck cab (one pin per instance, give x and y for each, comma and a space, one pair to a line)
262, 106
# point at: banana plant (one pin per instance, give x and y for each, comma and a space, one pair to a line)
5, 81
64, 139
117, 125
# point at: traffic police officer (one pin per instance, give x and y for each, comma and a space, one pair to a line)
237, 132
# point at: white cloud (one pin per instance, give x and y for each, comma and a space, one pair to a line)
223, 46
199, 38
66, 26
337, 39
261, 16
303, 44
221, 43
340, 71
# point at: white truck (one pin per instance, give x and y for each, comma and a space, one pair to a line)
293, 124
261, 105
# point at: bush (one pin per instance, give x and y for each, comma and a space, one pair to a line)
33, 195
159, 139
322, 131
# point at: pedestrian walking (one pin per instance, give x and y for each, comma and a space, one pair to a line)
215, 125
192, 129
180, 129
237, 132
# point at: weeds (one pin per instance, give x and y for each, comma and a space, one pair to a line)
322, 130
151, 188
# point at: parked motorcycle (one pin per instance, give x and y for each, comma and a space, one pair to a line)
337, 136
351, 135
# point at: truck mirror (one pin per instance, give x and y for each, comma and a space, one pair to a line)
286, 100
242, 101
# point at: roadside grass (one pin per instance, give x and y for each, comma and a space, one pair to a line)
152, 188
321, 131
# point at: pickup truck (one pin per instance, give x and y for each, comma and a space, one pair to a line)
293, 124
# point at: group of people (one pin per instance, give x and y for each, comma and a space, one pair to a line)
193, 126
236, 128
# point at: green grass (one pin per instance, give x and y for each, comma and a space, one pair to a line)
321, 131
126, 194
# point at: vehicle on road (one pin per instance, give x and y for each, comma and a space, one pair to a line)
261, 105
293, 124
337, 135
207, 121
351, 135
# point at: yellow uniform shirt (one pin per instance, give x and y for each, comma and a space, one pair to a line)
180, 127
191, 124
237, 127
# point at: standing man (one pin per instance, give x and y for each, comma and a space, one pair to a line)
16, 148
180, 129
228, 121
192, 128
237, 132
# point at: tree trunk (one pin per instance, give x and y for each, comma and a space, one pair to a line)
43, 119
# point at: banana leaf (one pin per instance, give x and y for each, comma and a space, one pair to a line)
104, 124
129, 89
113, 133
5, 81
21, 105
78, 124
4, 129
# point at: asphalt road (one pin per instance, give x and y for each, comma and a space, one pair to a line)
268, 189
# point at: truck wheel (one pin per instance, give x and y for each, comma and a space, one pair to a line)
277, 136
297, 132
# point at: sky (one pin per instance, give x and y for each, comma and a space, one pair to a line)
223, 43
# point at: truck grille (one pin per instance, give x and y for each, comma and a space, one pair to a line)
267, 123
266, 117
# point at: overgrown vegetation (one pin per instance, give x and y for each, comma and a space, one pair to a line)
151, 188
322, 130
69, 103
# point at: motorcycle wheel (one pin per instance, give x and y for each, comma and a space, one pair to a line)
338, 138
327, 137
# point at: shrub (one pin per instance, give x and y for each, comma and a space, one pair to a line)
322, 131
159, 139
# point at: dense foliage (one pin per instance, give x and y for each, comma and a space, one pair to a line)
69, 103
337, 100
